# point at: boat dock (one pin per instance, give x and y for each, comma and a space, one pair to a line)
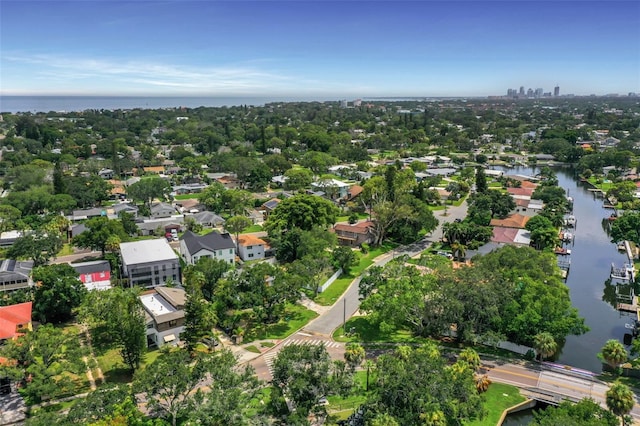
624, 273
564, 266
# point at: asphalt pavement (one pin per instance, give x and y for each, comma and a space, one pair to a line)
349, 303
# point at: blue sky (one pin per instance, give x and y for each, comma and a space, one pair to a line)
317, 48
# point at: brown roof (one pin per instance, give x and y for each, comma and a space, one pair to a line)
251, 240
504, 235
358, 228
528, 184
513, 221
521, 202
527, 192
354, 191
154, 169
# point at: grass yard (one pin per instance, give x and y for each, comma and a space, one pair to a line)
114, 369
252, 228
186, 196
335, 290
366, 332
67, 249
498, 398
296, 316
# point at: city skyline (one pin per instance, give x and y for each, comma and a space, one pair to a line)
332, 49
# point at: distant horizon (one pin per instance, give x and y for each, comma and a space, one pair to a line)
313, 48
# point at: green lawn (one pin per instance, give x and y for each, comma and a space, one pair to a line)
67, 249
296, 316
252, 228
605, 186
185, 196
335, 290
498, 398
114, 369
366, 332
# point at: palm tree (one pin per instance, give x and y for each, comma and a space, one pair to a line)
369, 366
471, 357
620, 400
482, 383
613, 353
545, 345
354, 355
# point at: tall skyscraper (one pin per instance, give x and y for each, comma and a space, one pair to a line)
521, 91
556, 91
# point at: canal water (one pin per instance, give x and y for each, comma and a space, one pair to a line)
591, 256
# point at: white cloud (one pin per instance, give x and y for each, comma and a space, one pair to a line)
63, 72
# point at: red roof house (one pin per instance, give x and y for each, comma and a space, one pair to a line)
15, 319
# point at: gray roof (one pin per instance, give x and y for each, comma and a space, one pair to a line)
14, 270
146, 251
91, 267
160, 207
175, 296
208, 217
211, 241
130, 208
91, 212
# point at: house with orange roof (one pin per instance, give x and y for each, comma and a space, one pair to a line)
514, 221
15, 320
251, 247
154, 169
520, 192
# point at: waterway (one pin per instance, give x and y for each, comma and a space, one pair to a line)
591, 256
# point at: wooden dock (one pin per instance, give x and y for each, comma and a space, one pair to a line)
630, 307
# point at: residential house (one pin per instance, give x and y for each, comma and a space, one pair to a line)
154, 170
83, 214
15, 320
189, 205
207, 219
354, 235
279, 180
513, 236
189, 188
514, 221
7, 238
149, 263
333, 188
106, 174
160, 225
95, 275
522, 193
442, 172
353, 192
15, 274
164, 315
270, 206
251, 247
214, 245
125, 207
159, 210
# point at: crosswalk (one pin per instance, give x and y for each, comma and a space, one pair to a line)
270, 357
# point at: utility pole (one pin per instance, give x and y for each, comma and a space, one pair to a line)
344, 316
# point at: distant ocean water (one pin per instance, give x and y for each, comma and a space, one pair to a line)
80, 103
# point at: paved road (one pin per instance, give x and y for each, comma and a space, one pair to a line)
76, 256
553, 383
349, 303
264, 363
